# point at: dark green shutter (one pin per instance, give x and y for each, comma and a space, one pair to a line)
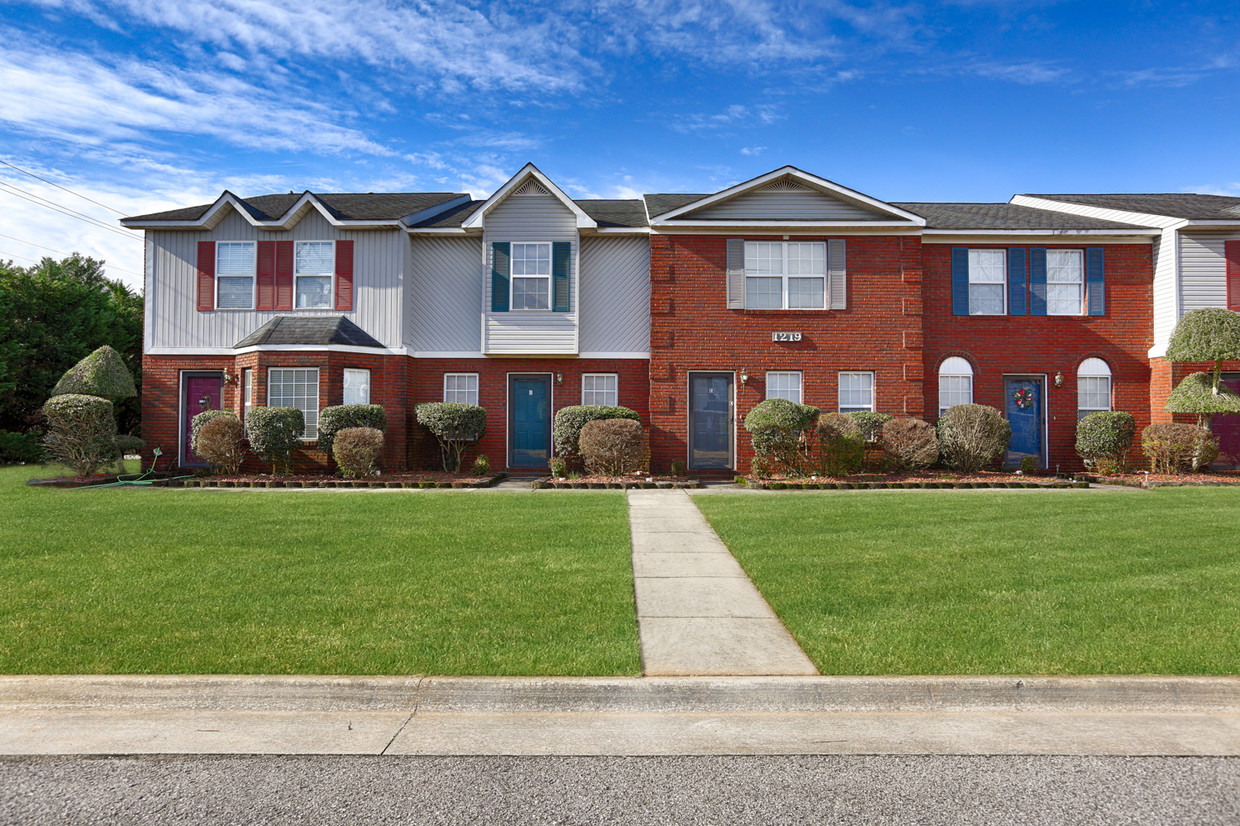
501, 267
960, 280
561, 266
1016, 281
1095, 280
1037, 281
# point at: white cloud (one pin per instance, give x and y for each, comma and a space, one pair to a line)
1231, 190
752, 151
732, 117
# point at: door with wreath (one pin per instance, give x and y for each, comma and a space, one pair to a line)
1025, 412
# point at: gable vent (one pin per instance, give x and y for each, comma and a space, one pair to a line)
785, 186
531, 187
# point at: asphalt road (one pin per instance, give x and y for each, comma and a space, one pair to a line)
620, 790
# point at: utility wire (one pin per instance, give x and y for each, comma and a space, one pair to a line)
63, 210
58, 186
62, 252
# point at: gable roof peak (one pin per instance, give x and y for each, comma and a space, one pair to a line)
528, 173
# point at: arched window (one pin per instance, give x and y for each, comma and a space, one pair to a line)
1093, 387
955, 383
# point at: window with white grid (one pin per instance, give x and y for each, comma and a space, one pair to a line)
784, 384
856, 392
600, 388
1065, 282
315, 264
531, 276
1093, 387
296, 387
955, 383
460, 387
234, 275
785, 275
987, 282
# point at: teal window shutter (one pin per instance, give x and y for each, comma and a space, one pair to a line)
1095, 280
1037, 281
1016, 281
501, 268
960, 280
561, 261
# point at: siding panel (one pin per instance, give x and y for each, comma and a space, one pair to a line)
446, 294
1203, 270
615, 295
802, 206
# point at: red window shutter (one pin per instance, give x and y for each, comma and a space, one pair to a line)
284, 275
1232, 253
206, 276
344, 275
266, 275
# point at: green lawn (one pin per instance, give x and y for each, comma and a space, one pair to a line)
191, 581
981, 582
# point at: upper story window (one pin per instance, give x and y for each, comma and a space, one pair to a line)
1093, 387
234, 275
460, 387
788, 275
600, 388
955, 383
987, 282
314, 266
784, 384
856, 391
531, 276
1065, 282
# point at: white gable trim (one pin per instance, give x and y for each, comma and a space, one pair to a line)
291, 217
808, 180
478, 219
1105, 213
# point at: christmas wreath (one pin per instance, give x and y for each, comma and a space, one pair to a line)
1023, 398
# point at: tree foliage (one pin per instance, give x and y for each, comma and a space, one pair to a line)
81, 432
1211, 334
103, 373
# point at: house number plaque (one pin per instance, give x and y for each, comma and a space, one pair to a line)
785, 336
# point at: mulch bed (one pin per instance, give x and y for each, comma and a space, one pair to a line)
414, 479
1223, 478
615, 482
916, 479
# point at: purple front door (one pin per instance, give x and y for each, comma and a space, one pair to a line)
200, 391
1227, 428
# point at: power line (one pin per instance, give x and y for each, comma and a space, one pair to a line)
63, 210
58, 186
62, 252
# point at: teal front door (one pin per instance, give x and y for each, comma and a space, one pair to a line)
1023, 408
529, 420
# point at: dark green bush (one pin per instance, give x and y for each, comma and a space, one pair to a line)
566, 429
1173, 447
222, 444
871, 423
334, 419
81, 432
779, 430
910, 443
20, 448
357, 450
196, 424
103, 373
1104, 438
841, 446
455, 426
274, 433
612, 447
972, 436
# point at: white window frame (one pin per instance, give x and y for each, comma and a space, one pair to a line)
247, 395
470, 393
1079, 282
613, 392
1088, 370
841, 407
311, 431
252, 275
785, 374
975, 269
330, 275
514, 277
344, 384
954, 367
784, 275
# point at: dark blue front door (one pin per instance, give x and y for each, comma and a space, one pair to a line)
1023, 408
529, 421
710, 420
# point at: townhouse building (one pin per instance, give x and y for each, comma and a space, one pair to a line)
688, 308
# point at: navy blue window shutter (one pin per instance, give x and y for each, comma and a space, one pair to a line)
560, 268
1095, 280
501, 267
1037, 281
960, 280
1016, 281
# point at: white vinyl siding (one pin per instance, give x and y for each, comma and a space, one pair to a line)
785, 275
600, 388
356, 387
615, 296
460, 387
1203, 270
296, 387
788, 204
987, 282
856, 391
444, 294
1065, 282
314, 264
955, 383
234, 275
784, 384
1093, 387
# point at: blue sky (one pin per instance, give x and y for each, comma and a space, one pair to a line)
142, 105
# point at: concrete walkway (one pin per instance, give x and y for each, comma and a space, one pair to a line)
697, 612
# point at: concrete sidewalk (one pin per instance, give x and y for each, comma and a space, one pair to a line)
620, 716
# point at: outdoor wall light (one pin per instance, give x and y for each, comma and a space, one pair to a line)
559, 378
228, 377
1059, 379
744, 376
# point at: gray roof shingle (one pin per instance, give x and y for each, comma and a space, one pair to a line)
346, 206
321, 330
608, 213
1187, 205
662, 202
966, 216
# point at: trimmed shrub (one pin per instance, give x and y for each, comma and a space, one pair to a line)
20, 448
1104, 438
103, 373
841, 446
356, 450
566, 429
871, 423
81, 432
275, 432
676, 468
972, 436
1197, 394
196, 424
455, 426
334, 419
779, 430
612, 447
559, 468
910, 443
1173, 447
482, 465
221, 442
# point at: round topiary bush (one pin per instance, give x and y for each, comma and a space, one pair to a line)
196, 424
566, 428
356, 451
778, 430
1173, 447
841, 447
275, 432
81, 432
1104, 438
612, 447
972, 436
910, 443
221, 443
338, 417
455, 426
